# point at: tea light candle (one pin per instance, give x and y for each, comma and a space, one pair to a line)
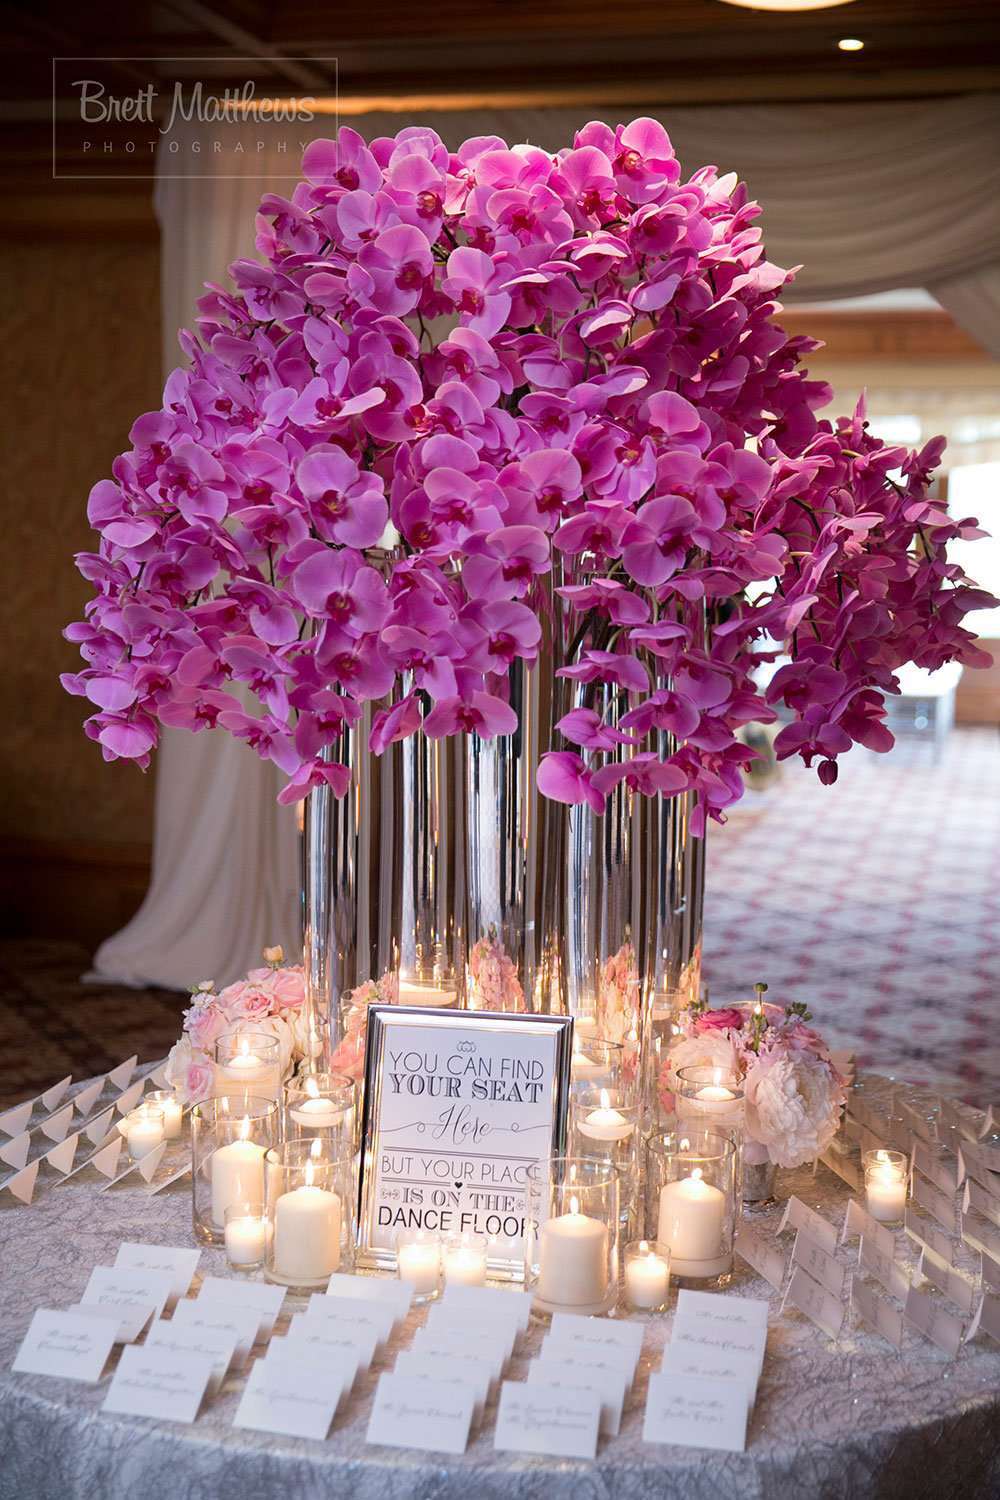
237, 1174
465, 1264
173, 1112
307, 1231
885, 1186
245, 1067
573, 1260
143, 1130
605, 1124
317, 1113
419, 1262
245, 1237
425, 994
647, 1277
582, 1066
692, 1213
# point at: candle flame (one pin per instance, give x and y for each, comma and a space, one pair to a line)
574, 1205
685, 1145
882, 1157
605, 1099
244, 1047
643, 1246
696, 1174
316, 1148
717, 1076
245, 1128
309, 1173
312, 1088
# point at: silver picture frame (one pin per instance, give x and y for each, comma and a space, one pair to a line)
457, 1105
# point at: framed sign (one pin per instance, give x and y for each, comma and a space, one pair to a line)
458, 1104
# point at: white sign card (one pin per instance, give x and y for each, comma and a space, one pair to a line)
767, 1260
185, 1338
241, 1324
159, 1383
825, 1269
283, 1398
819, 1305
930, 1318
610, 1386
137, 1295
559, 1422
877, 1313
177, 1262
434, 1415
710, 1364
859, 1222
798, 1215
72, 1345
265, 1300
695, 1412
457, 1107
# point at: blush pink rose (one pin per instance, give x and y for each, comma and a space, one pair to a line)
287, 988
729, 1019
199, 1079
206, 1027
253, 1005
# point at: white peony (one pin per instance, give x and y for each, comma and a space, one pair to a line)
794, 1101
711, 1049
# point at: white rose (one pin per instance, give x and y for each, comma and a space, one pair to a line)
178, 1058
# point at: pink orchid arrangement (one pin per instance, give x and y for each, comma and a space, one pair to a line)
269, 1000
794, 1093
464, 389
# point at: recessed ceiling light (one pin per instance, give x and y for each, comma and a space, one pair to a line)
850, 44
787, 4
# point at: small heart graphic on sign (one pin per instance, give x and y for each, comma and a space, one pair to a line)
459, 1185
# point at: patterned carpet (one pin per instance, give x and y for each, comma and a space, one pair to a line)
876, 901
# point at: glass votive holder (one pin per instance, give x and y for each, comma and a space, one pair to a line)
245, 1236
418, 1261
143, 1130
647, 1275
172, 1105
601, 1065
571, 1243
715, 1099
229, 1136
886, 1185
691, 1202
323, 1105
248, 1060
309, 1209
604, 1128
465, 1259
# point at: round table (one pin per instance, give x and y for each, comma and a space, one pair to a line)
852, 1418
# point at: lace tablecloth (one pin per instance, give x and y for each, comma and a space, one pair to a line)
847, 1419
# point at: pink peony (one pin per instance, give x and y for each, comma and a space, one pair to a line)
793, 1101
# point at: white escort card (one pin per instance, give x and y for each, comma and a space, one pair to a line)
990, 1271
934, 1168
266, 1300
877, 1313
52, 1096
981, 1200
343, 1363
599, 1333
819, 1305
96, 1129
159, 1383
934, 1321
687, 1359
15, 1151
13, 1121
721, 1339
360, 1342
490, 1351
937, 1204
350, 1314
916, 1123
798, 1216
950, 1115
184, 1338
843, 1167
137, 1295
56, 1126
84, 1101
130, 1098
433, 1415
980, 1237
72, 1345
956, 1287
859, 1222
283, 1398
559, 1422
767, 1260
825, 1269
177, 1262
926, 1232
596, 1357
490, 1300
696, 1413
610, 1386
22, 1184
885, 1269
146, 1168
61, 1157
447, 1317
981, 1162
119, 1077
473, 1373
227, 1319
396, 1294
991, 1120
987, 1319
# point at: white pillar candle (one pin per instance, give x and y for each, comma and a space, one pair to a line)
605, 1124
237, 1177
419, 1262
245, 1240
317, 1114
173, 1116
307, 1232
143, 1131
647, 1278
885, 1189
464, 1265
692, 1213
573, 1260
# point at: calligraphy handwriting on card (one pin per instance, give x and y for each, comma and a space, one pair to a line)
294, 1402
687, 1359
538, 1419
267, 1301
598, 1331
696, 1413
474, 1374
883, 1267
980, 1237
748, 1313
138, 1295
72, 1345
726, 1341
446, 1317
491, 1352
343, 1363
360, 1342
184, 1338
878, 1314
610, 1386
597, 1357
433, 1415
349, 1314
159, 1383
956, 1287
226, 1319
821, 1267
177, 1262
926, 1232
767, 1260
937, 1204
934, 1168
396, 1294
798, 1215
819, 1305
858, 1221
984, 1202
928, 1317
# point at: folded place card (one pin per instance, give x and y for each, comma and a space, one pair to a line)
926, 1232
13, 1121
96, 1129
61, 1157
991, 1120
825, 1269
396, 1294
185, 1338
448, 1317
159, 1383
610, 1386
265, 1299
56, 1126
490, 1352
767, 1260
990, 1271
934, 1321
138, 1295
885, 1269
165, 1182
323, 1332
748, 1313
145, 1167
340, 1362
986, 1320
491, 1300
433, 1415
916, 1123
105, 1160
295, 1402
594, 1356
177, 1262
939, 1205
541, 1419
956, 1287
473, 1373
984, 1202
84, 1101
858, 1221
598, 1332
842, 1167
798, 1216
119, 1077
15, 1151
22, 1184
710, 1364
72, 1345
949, 1114
934, 1168
694, 1412
374, 1317
51, 1097
819, 1305
125, 1330
979, 1237
877, 1313
981, 1162
130, 1098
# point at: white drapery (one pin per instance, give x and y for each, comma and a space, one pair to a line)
865, 197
